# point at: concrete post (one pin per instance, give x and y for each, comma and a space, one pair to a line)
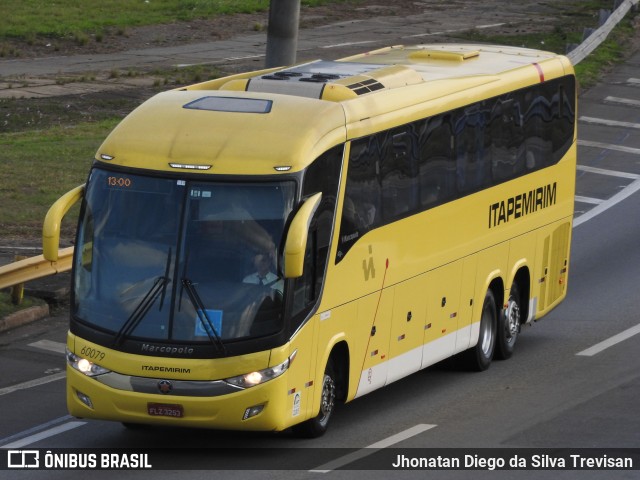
17, 291
282, 32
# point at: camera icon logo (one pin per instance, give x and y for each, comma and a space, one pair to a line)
23, 459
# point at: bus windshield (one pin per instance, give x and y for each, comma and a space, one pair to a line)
167, 260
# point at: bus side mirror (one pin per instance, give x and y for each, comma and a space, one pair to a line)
297, 236
53, 220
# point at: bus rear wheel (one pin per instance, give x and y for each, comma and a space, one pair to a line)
479, 357
317, 426
509, 325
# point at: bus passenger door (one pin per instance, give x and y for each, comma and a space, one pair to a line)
443, 302
407, 328
375, 310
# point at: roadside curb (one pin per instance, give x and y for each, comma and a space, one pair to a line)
24, 317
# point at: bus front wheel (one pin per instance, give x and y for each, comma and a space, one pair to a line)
479, 357
317, 426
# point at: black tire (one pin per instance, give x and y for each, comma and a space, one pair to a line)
509, 325
479, 358
317, 426
134, 426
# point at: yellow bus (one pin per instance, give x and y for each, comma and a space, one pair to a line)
254, 249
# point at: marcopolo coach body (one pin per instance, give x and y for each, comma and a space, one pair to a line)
253, 249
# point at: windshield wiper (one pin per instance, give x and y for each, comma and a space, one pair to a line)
141, 309
203, 316
166, 275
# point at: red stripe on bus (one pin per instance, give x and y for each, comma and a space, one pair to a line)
540, 72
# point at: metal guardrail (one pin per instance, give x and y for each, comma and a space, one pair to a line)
53, 259
600, 35
33, 268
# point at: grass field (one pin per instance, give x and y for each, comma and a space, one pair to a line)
7, 308
37, 167
46, 146
32, 18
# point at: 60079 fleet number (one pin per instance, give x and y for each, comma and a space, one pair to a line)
92, 353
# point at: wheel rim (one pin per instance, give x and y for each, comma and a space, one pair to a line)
328, 398
512, 325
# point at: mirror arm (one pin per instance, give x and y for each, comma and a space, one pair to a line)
53, 221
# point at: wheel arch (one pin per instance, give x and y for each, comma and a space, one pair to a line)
339, 355
339, 358
522, 278
497, 287
495, 283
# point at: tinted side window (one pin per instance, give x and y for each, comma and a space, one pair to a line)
398, 175
472, 151
505, 138
363, 194
414, 167
437, 162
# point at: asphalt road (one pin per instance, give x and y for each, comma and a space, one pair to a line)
563, 388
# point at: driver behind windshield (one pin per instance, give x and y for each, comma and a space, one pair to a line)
263, 275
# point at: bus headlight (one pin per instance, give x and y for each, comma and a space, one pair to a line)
261, 376
85, 366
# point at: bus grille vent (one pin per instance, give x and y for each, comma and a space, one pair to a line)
315, 78
366, 86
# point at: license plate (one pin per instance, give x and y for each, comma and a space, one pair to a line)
165, 410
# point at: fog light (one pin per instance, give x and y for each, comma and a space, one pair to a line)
85, 399
252, 411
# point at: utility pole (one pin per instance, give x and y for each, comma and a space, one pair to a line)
282, 32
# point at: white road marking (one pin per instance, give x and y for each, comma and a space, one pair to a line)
630, 332
607, 204
244, 57
625, 192
49, 345
32, 383
609, 146
609, 123
348, 44
444, 32
216, 62
36, 429
593, 201
65, 427
373, 448
623, 101
611, 173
